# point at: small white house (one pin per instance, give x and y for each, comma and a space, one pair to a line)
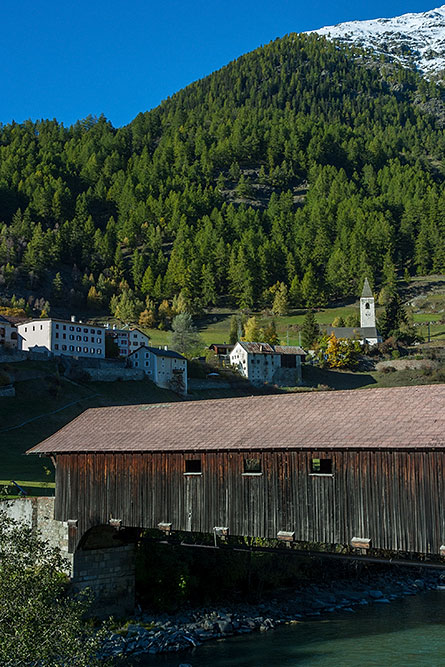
127, 340
166, 368
8, 333
71, 338
261, 362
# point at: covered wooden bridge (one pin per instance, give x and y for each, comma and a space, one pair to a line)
363, 467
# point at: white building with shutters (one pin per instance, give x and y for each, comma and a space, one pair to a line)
67, 337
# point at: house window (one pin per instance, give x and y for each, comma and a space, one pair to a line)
63, 347
57, 335
71, 336
252, 466
85, 331
85, 349
57, 326
56, 346
92, 331
64, 327
321, 466
99, 341
78, 349
71, 328
64, 336
85, 339
192, 466
78, 329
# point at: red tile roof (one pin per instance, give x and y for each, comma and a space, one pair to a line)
402, 418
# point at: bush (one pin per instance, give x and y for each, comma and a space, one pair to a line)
41, 623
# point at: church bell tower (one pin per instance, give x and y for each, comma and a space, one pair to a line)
367, 307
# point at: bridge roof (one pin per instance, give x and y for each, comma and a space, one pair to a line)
401, 418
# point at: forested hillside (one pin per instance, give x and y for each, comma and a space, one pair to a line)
299, 163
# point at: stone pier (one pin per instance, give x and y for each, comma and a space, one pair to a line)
102, 562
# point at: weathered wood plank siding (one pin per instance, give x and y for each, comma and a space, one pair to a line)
395, 498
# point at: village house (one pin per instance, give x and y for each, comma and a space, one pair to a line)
67, 337
127, 340
222, 350
166, 368
8, 333
367, 331
261, 362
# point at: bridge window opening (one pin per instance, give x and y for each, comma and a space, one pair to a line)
192, 466
321, 466
252, 466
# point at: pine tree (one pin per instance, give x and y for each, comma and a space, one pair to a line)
148, 282
58, 286
295, 296
309, 288
310, 330
185, 337
137, 269
280, 303
252, 331
147, 319
233, 331
208, 287
93, 298
270, 334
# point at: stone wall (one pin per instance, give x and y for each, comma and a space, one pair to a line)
108, 571
114, 374
38, 513
109, 574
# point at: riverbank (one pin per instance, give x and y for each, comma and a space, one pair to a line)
153, 634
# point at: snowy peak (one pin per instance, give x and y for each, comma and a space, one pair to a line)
412, 39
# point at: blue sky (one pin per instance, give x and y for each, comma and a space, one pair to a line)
66, 60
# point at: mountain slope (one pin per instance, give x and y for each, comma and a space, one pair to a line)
298, 163
414, 40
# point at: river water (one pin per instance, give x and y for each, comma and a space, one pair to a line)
407, 632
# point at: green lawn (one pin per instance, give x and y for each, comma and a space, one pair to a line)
214, 328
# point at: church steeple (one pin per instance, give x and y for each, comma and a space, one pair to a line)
366, 292
367, 306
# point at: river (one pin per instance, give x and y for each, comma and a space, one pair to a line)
406, 632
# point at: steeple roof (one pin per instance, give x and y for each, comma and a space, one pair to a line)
366, 289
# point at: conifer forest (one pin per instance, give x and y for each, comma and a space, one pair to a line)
302, 166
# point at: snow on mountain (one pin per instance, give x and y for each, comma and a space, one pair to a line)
411, 39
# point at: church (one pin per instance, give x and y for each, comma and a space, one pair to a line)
367, 331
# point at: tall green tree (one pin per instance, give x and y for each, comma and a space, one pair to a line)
185, 337
310, 331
